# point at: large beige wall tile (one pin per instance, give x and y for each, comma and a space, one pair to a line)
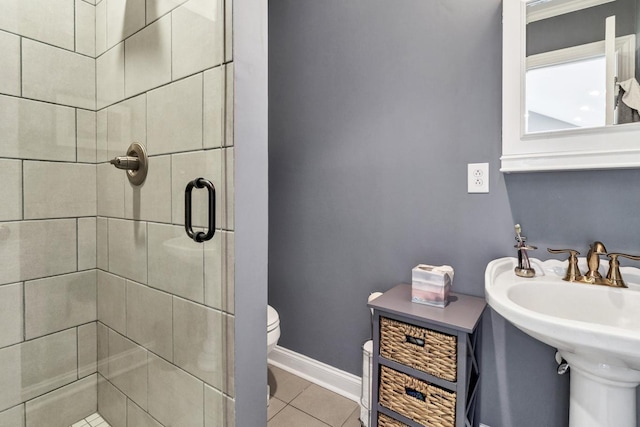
214, 275
101, 27
199, 341
175, 262
214, 92
139, 418
13, 417
150, 319
34, 249
85, 28
37, 130
228, 196
47, 190
148, 57
102, 243
10, 190
86, 131
126, 123
216, 409
102, 347
50, 21
228, 30
158, 8
110, 73
229, 273
174, 117
57, 75
151, 201
112, 403
64, 406
124, 17
86, 243
102, 129
229, 107
36, 367
10, 70
128, 368
197, 36
229, 331
110, 184
58, 303
128, 249
111, 301
187, 167
11, 314
175, 397
87, 349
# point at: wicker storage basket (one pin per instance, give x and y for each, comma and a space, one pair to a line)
384, 421
420, 401
428, 351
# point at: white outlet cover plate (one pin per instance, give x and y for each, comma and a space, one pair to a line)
478, 178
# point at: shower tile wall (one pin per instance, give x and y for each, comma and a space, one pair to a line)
165, 303
48, 276
105, 303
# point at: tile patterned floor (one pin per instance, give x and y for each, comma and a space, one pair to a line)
297, 402
94, 420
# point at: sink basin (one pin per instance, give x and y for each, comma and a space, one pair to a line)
596, 329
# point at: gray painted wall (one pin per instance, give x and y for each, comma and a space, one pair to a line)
375, 109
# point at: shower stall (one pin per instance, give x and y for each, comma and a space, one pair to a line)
107, 303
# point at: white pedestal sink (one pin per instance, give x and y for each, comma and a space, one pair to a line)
596, 329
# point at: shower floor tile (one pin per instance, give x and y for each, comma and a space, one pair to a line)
94, 420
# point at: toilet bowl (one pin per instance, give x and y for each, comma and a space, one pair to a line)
273, 328
273, 334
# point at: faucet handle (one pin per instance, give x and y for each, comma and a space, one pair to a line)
573, 272
614, 276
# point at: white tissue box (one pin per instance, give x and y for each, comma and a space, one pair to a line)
431, 284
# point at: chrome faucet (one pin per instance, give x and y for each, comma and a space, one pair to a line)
593, 276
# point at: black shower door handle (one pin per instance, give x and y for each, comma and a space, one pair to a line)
200, 236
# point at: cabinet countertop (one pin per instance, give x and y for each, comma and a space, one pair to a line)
462, 313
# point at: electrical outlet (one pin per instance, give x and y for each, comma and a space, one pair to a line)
478, 178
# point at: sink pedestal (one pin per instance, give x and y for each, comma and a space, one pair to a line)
601, 394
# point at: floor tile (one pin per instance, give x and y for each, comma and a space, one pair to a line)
292, 417
354, 419
325, 405
285, 386
275, 405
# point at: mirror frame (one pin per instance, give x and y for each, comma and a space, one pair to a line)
606, 147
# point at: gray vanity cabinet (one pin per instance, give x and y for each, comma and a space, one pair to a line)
425, 361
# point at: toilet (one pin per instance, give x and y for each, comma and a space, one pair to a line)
273, 334
273, 328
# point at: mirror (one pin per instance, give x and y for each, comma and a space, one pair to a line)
569, 85
570, 77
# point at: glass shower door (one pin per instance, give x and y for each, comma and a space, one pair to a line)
106, 304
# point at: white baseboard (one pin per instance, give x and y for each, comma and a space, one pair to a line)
340, 382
